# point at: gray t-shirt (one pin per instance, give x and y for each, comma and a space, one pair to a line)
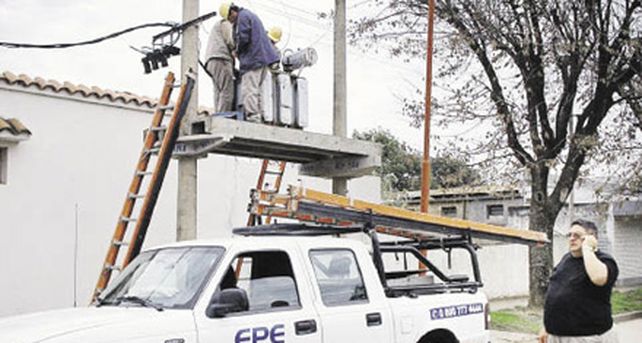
221, 41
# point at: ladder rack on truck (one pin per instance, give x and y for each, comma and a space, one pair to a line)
448, 283
308, 205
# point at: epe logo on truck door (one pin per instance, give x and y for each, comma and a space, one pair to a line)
261, 334
455, 311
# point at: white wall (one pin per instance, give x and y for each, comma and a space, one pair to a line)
628, 248
76, 168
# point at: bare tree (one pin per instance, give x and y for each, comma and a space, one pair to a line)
549, 77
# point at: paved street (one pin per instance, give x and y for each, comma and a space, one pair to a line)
628, 332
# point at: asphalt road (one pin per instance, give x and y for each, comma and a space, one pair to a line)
629, 331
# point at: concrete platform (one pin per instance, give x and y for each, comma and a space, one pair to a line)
320, 155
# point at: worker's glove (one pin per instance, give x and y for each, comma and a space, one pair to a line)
275, 66
590, 243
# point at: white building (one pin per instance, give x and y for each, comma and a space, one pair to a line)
63, 181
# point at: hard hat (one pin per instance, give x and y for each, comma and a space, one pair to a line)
224, 9
275, 34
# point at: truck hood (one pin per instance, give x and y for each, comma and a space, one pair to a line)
102, 324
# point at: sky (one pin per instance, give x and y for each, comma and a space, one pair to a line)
375, 82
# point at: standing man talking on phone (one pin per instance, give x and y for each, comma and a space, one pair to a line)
578, 300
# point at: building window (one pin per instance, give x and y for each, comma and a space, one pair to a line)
4, 160
449, 211
495, 211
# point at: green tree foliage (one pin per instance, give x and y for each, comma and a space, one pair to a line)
401, 165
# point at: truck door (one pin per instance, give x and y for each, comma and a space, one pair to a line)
272, 305
349, 311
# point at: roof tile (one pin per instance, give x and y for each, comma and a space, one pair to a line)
71, 89
83, 90
14, 126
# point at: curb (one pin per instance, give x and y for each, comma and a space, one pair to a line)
627, 316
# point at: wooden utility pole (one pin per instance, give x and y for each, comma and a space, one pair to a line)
425, 165
339, 123
188, 166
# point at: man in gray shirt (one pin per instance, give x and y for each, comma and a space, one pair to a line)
219, 61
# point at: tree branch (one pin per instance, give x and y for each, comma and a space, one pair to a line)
449, 11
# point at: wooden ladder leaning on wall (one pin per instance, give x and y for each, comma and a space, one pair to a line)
161, 148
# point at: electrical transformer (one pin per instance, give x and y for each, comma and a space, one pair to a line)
300, 102
285, 100
284, 96
268, 99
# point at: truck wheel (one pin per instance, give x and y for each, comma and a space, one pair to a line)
439, 336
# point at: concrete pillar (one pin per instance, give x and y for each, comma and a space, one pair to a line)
188, 166
339, 126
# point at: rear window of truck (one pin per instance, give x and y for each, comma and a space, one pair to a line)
338, 276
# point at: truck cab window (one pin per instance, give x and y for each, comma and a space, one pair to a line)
338, 276
267, 279
166, 278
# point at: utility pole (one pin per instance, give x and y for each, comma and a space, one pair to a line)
425, 166
188, 166
339, 123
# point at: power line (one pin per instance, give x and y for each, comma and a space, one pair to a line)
88, 42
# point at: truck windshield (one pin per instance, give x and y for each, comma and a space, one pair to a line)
165, 278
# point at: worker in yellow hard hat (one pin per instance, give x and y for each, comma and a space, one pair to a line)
275, 34
224, 9
219, 61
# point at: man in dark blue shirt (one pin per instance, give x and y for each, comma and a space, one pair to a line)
578, 299
255, 53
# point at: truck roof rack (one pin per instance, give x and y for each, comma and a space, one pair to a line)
297, 229
306, 205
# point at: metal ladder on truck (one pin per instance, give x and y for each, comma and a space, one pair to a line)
276, 169
161, 148
307, 205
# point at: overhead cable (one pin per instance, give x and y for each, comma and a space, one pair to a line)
88, 42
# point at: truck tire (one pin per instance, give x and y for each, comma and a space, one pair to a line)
439, 336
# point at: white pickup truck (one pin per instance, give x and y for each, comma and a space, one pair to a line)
279, 286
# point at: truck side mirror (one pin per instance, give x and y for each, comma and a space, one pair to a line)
226, 301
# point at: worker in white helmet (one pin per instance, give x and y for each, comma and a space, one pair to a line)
219, 61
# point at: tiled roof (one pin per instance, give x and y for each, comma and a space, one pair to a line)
13, 129
71, 89
86, 91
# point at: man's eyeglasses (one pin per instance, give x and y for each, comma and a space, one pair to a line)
574, 235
